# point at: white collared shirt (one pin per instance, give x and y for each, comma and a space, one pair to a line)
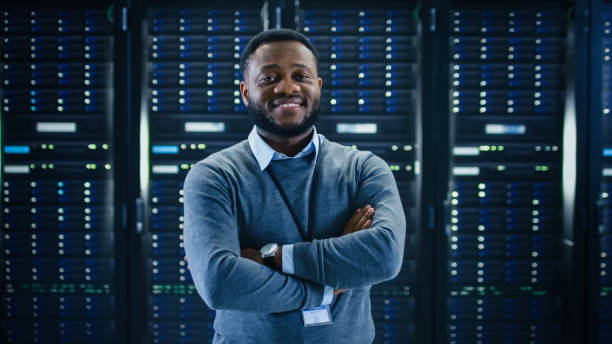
264, 154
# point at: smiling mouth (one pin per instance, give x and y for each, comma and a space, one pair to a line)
289, 106
288, 103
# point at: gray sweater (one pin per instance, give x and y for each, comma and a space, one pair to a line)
230, 204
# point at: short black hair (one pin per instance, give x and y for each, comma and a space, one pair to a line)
275, 35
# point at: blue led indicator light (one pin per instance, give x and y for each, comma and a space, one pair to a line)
165, 149
17, 149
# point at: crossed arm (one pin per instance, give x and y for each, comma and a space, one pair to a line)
230, 277
361, 219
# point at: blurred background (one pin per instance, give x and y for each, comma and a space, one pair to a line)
494, 117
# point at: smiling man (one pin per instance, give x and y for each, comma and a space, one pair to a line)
286, 232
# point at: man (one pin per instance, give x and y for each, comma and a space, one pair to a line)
280, 231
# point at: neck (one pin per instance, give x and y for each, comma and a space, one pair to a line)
289, 146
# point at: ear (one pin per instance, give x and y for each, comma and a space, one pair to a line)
244, 91
320, 82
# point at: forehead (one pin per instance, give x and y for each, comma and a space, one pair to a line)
282, 53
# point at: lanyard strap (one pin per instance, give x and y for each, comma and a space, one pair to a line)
313, 187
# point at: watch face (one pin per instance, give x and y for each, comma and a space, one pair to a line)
269, 249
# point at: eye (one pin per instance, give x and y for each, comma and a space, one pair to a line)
267, 78
302, 76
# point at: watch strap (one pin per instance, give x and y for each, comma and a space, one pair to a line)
269, 262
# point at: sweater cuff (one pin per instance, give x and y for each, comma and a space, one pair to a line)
328, 295
288, 266
305, 264
314, 295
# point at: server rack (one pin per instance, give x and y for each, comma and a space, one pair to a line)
369, 61
504, 215
599, 315
60, 234
191, 108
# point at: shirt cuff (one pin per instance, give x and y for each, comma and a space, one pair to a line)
328, 295
288, 267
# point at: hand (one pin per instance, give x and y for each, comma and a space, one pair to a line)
252, 254
361, 219
339, 291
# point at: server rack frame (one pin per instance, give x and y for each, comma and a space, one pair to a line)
439, 164
118, 158
573, 241
134, 15
434, 127
121, 175
428, 136
575, 176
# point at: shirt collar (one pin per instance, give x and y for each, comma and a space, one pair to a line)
264, 154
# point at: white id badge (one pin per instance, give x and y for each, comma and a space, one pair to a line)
317, 316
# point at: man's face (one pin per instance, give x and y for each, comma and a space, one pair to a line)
282, 90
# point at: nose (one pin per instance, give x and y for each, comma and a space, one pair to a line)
286, 86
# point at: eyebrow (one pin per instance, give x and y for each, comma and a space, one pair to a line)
270, 66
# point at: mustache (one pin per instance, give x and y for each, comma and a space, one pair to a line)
289, 96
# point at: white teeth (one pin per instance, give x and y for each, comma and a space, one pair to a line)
288, 105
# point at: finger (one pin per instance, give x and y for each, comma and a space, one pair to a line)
366, 225
359, 217
361, 223
367, 215
367, 211
356, 216
352, 222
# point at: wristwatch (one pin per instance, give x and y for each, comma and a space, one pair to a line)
267, 254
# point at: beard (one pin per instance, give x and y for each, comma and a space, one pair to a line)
266, 123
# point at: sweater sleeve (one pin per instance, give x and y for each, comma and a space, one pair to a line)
366, 257
223, 279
